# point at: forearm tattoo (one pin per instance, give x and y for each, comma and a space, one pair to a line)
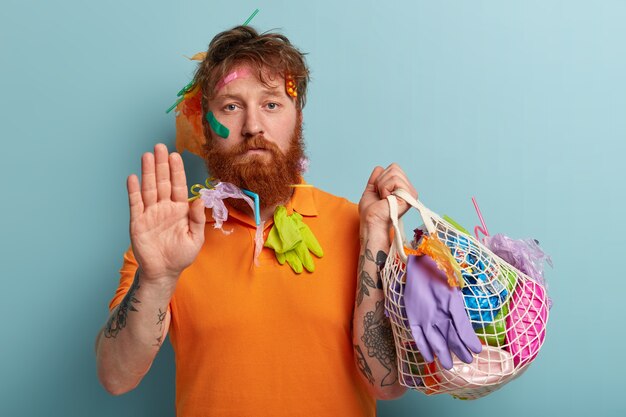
378, 339
117, 321
161, 318
381, 258
365, 279
377, 336
362, 364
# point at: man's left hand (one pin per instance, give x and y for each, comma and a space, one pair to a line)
373, 206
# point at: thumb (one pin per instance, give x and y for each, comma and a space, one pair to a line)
197, 218
371, 181
370, 194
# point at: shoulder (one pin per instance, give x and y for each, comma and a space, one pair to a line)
326, 202
337, 214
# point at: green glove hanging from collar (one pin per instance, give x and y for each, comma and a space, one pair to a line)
292, 240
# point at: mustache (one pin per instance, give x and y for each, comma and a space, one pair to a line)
256, 142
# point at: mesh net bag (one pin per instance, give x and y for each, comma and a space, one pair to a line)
508, 311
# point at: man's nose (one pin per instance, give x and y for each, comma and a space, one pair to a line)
252, 124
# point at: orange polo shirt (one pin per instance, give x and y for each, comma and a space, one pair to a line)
262, 340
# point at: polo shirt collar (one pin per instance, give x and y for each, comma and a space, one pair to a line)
302, 201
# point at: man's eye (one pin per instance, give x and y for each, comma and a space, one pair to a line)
230, 107
272, 106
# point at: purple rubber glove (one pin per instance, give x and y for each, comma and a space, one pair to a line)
436, 314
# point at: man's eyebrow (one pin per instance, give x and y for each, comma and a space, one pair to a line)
267, 92
227, 97
273, 92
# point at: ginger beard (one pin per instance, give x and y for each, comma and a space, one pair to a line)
268, 173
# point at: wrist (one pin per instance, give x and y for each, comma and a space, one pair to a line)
375, 233
160, 283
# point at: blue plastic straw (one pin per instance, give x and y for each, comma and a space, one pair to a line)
257, 205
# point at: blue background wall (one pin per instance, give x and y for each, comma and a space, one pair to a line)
520, 103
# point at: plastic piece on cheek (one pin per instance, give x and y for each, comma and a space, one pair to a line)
433, 247
219, 129
257, 205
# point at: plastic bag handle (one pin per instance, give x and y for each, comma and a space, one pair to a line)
396, 221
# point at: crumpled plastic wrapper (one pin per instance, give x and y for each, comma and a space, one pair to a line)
213, 198
523, 254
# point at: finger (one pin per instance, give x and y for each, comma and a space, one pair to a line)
305, 257
463, 325
294, 261
454, 341
392, 178
134, 197
179, 180
376, 172
197, 218
281, 258
392, 182
371, 181
311, 241
148, 180
439, 346
422, 343
163, 184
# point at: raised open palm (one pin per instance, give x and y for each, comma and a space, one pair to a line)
165, 231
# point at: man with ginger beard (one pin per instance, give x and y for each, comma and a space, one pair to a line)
268, 173
253, 335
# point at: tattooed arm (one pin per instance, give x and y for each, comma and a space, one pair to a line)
132, 335
374, 348
166, 233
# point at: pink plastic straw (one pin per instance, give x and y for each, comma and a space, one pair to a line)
482, 229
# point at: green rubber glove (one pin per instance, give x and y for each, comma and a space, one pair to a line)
292, 241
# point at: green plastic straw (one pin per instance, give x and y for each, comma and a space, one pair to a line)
251, 17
